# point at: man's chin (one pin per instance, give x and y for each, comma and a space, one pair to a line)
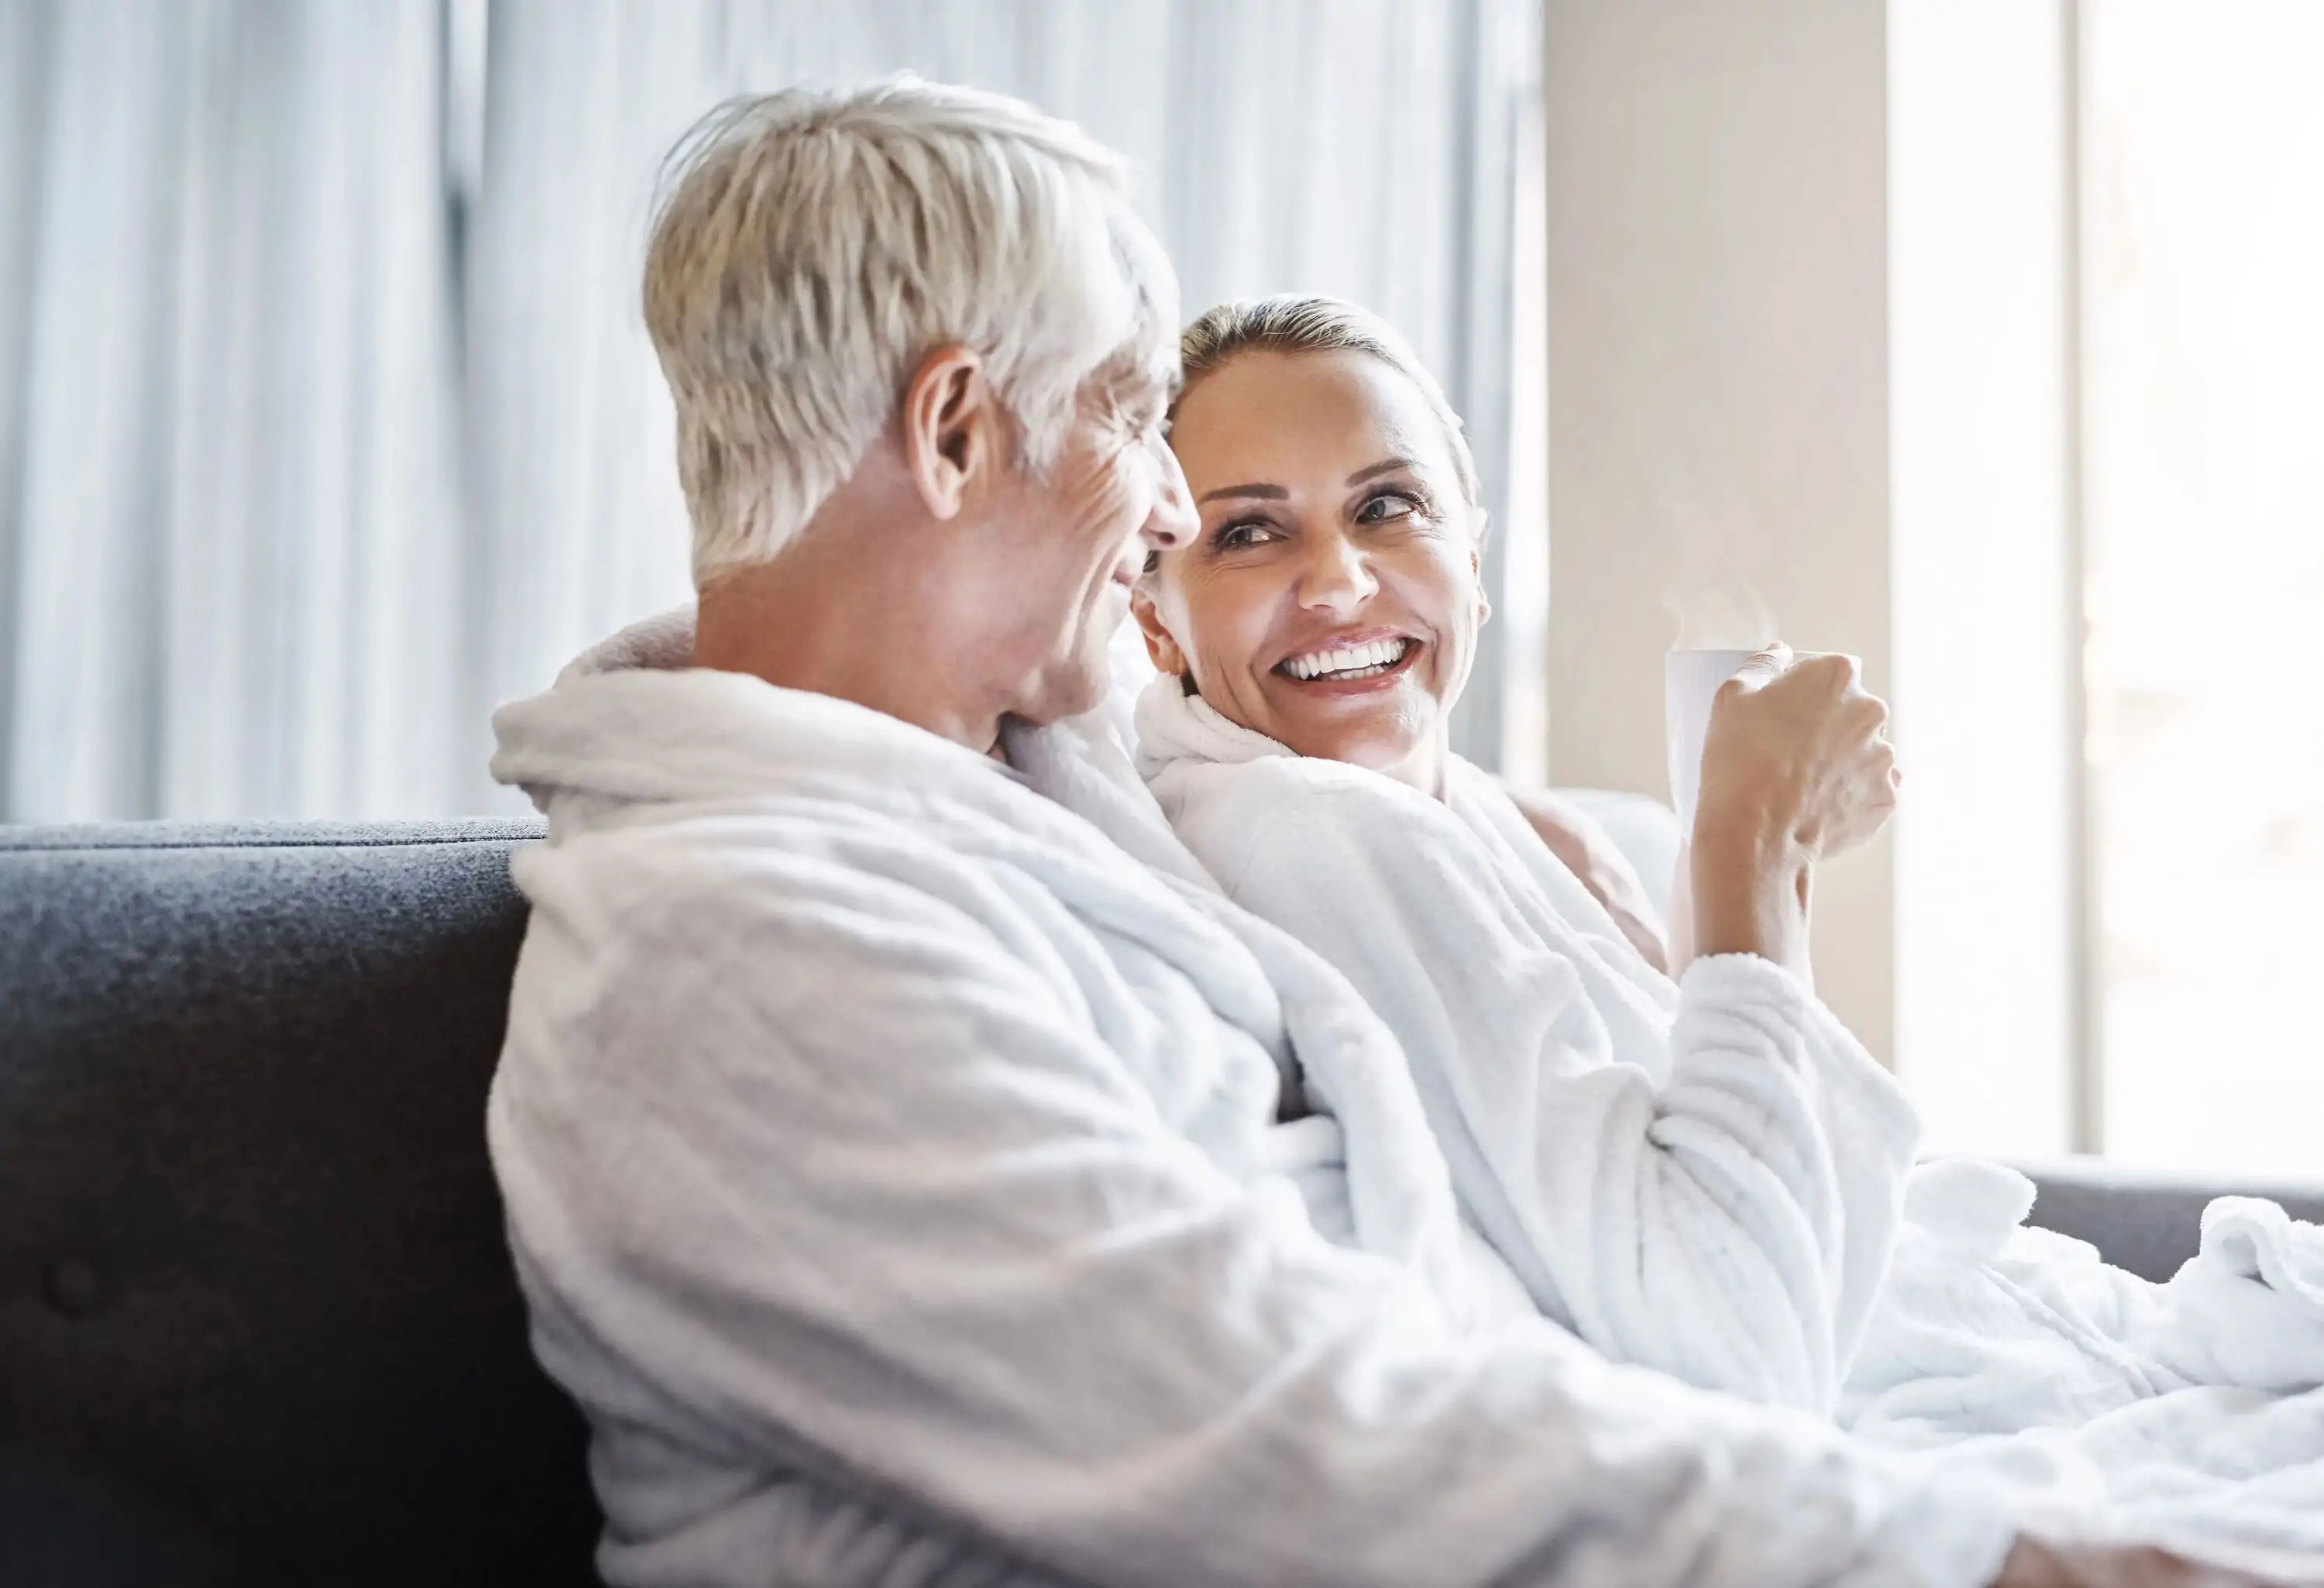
1063, 692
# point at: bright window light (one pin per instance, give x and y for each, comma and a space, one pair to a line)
2203, 194
1979, 322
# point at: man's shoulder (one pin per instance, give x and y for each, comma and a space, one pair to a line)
833, 881
734, 950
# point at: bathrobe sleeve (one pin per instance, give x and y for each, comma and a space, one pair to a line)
834, 1160
1721, 1209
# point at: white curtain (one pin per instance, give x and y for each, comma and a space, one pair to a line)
316, 442
229, 522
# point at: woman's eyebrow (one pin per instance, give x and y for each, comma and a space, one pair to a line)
1390, 466
1271, 493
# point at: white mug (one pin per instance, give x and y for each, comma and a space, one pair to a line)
1691, 680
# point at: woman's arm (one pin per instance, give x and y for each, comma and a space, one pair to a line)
1582, 847
1712, 1198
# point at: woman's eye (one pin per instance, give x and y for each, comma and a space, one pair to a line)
1236, 536
1386, 507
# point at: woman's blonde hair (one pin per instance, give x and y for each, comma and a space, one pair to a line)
1294, 322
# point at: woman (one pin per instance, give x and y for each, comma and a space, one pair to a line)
1704, 1178
1708, 1177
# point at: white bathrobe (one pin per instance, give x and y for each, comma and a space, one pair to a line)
2189, 1413
893, 1168
1705, 1177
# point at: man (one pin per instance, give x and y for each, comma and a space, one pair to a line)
916, 1173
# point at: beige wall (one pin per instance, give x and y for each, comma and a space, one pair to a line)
1717, 356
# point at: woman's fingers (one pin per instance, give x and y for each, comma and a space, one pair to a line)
1887, 780
1764, 668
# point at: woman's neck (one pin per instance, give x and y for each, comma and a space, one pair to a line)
1425, 768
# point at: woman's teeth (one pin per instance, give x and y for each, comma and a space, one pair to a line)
1350, 661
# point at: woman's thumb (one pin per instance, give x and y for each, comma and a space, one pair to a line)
1765, 666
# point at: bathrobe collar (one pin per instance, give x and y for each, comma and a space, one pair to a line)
1174, 726
624, 722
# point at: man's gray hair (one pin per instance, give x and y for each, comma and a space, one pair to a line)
810, 248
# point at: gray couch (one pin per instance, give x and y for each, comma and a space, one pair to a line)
256, 1319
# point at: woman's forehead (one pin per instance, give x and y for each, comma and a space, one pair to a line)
1276, 417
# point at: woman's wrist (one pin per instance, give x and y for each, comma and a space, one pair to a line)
1750, 887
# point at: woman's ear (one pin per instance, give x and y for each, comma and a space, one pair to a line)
949, 434
1160, 648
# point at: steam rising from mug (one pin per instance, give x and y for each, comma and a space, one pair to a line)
1724, 617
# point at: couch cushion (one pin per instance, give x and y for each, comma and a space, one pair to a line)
2148, 1220
255, 1299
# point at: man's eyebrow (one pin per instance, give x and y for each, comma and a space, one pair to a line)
1270, 493
1390, 466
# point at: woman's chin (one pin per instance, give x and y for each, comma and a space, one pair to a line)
1381, 740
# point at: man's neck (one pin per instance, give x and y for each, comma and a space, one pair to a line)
829, 618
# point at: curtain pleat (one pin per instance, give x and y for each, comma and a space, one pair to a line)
309, 455
233, 505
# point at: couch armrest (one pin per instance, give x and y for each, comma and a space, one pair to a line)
2147, 1221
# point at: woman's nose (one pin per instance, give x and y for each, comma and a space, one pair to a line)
1173, 521
1337, 577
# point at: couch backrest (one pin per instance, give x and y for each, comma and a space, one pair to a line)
257, 1320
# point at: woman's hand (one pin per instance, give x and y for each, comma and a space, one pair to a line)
2033, 1562
1798, 751
1585, 850
1797, 768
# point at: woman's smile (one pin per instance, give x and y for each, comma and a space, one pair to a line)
1362, 663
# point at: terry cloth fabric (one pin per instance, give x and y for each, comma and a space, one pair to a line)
1704, 1177
896, 1172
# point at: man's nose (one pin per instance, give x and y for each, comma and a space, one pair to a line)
1173, 521
1337, 577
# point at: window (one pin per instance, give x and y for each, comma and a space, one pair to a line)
2202, 305
2107, 407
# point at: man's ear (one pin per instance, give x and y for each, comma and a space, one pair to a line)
1160, 648
1477, 567
950, 436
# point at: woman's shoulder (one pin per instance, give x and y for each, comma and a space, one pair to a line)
1306, 785
1291, 814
